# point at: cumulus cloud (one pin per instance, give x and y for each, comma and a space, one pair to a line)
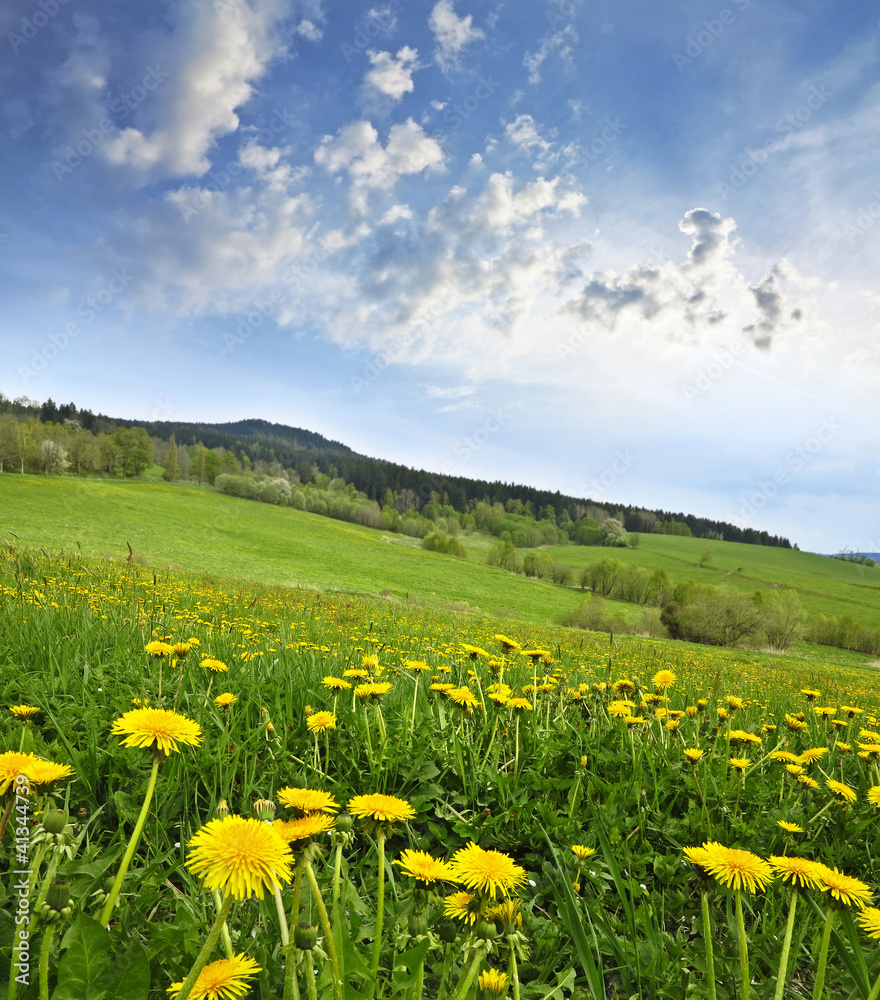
683, 302
210, 61
392, 75
358, 150
452, 33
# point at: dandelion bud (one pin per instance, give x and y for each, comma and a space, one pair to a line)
447, 932
58, 896
417, 924
486, 930
181, 649
54, 821
583, 762
305, 937
222, 809
344, 823
264, 809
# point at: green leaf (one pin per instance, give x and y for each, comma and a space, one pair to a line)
128, 979
86, 947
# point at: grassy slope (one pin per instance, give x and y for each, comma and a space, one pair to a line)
202, 531
826, 586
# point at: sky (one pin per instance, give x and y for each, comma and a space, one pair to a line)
626, 251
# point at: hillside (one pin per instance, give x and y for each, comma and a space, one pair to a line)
200, 530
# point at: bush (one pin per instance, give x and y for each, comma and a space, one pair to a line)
436, 541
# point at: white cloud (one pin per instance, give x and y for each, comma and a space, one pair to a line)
392, 75
212, 58
451, 32
561, 42
308, 29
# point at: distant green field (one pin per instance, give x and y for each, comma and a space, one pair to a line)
202, 531
826, 586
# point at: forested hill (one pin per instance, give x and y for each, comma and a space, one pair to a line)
301, 450
261, 445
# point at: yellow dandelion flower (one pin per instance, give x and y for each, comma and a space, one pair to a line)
802, 873
794, 769
335, 683
845, 889
240, 856
462, 906
419, 666
355, 672
740, 763
24, 711
664, 679
293, 831
581, 852
841, 790
520, 704
157, 648
811, 755
737, 869
320, 722
47, 772
180, 649
784, 755
873, 795
224, 979
370, 661
492, 983
507, 914
805, 779
421, 866
487, 872
794, 723
225, 700
508, 644
634, 720
789, 827
694, 754
869, 920
12, 764
147, 727
214, 665
740, 736
307, 800
381, 808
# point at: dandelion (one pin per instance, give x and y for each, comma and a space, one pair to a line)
634, 720
784, 755
421, 866
180, 649
794, 724
462, 906
465, 698
320, 722
740, 763
214, 665
873, 795
800, 872
355, 672
509, 645
520, 704
225, 700
846, 890
810, 693
158, 648
811, 755
581, 852
241, 856
492, 983
869, 920
841, 790
148, 727
370, 661
47, 772
694, 754
733, 702
24, 711
851, 710
307, 800
739, 736
224, 979
296, 831
664, 679
805, 779
486, 872
789, 827
737, 869
335, 683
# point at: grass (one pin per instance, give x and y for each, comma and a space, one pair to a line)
825, 586
206, 532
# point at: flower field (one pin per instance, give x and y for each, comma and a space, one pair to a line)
218, 790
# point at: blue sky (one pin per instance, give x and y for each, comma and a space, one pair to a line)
624, 251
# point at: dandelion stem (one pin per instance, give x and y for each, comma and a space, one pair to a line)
468, 973
45, 949
875, 989
310, 977
514, 971
205, 953
786, 947
227, 940
745, 985
329, 941
380, 912
291, 983
707, 938
282, 917
819, 986
132, 846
